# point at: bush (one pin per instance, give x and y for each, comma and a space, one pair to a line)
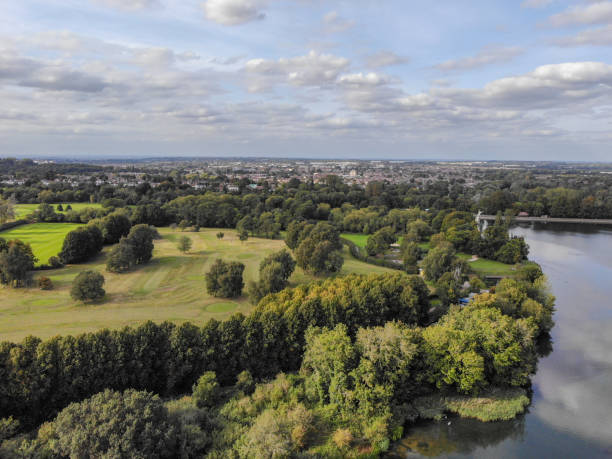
225, 279
206, 390
245, 382
44, 283
55, 262
184, 244
87, 286
220, 235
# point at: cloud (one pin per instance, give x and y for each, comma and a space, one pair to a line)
313, 69
601, 36
364, 79
593, 13
129, 5
234, 12
334, 23
488, 55
535, 3
385, 59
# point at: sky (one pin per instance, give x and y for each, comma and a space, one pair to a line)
378, 79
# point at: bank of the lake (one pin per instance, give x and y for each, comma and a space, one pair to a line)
571, 410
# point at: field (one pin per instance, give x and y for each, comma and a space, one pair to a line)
359, 240
46, 239
171, 287
22, 210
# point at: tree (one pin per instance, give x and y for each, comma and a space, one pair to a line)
225, 279
87, 286
243, 235
115, 226
438, 261
121, 257
128, 424
184, 244
45, 213
81, 244
220, 235
7, 210
60, 208
411, 253
318, 249
206, 390
141, 238
514, 251
15, 263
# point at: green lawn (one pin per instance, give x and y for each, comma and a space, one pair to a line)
46, 239
358, 239
22, 210
171, 287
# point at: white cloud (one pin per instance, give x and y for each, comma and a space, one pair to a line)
130, 5
593, 13
601, 36
234, 12
364, 79
313, 69
385, 59
486, 56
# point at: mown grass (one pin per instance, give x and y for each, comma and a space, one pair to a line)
360, 240
46, 239
23, 210
171, 287
495, 404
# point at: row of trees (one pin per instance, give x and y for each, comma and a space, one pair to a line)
42, 377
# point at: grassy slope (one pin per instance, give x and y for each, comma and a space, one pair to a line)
46, 239
359, 240
171, 287
21, 210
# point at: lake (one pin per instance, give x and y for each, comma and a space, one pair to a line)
571, 410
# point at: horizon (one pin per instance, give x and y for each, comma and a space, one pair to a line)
527, 81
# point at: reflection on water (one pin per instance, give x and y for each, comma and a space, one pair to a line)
571, 410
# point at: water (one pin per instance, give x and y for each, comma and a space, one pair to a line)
571, 411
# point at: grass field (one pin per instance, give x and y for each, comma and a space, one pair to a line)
171, 287
360, 240
22, 210
46, 239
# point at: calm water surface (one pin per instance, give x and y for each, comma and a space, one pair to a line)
571, 411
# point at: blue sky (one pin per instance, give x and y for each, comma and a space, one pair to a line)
307, 78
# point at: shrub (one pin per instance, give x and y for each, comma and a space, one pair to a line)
55, 262
44, 283
87, 286
184, 244
220, 235
343, 438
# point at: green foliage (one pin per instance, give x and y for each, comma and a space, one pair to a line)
87, 287
184, 244
225, 279
274, 273
81, 244
16, 260
115, 226
141, 239
7, 210
55, 262
8, 428
380, 241
206, 391
411, 254
514, 251
245, 382
477, 346
128, 424
121, 258
438, 261
220, 235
